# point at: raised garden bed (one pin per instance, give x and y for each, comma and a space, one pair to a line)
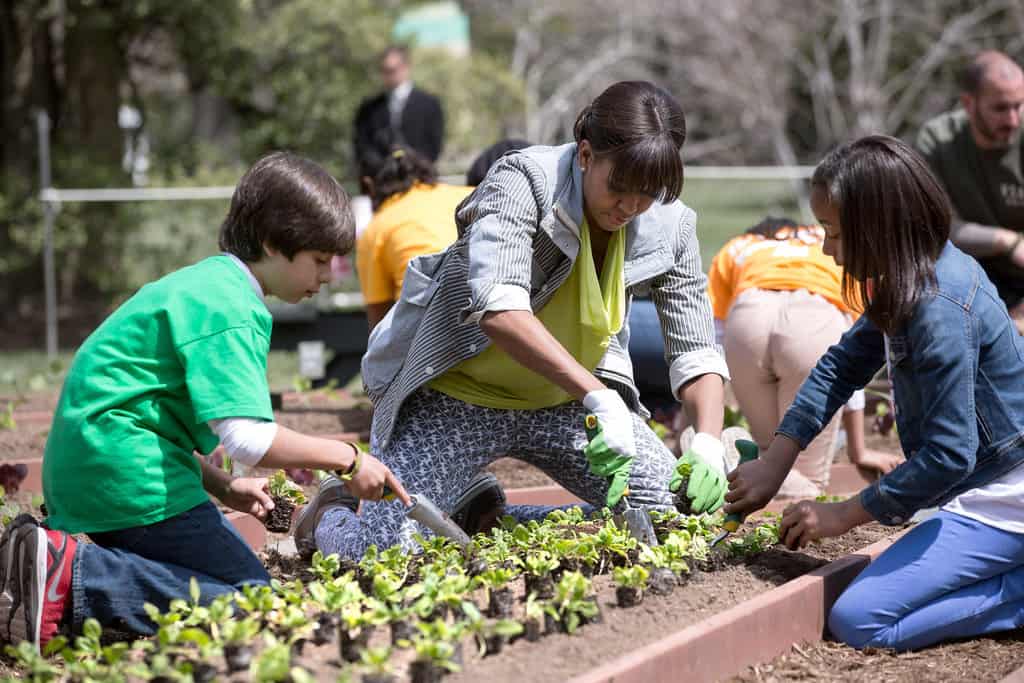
459, 585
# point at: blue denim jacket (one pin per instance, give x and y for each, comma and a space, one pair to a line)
957, 369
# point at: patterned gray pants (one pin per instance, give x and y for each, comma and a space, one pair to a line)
440, 444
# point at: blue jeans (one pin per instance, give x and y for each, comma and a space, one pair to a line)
121, 570
949, 577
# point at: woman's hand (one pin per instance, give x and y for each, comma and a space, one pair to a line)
249, 495
807, 521
373, 475
876, 463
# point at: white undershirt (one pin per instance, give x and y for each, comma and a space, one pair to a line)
999, 503
245, 439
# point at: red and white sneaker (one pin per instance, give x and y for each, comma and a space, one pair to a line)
38, 586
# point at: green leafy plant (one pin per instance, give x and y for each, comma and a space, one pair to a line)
631, 577
280, 486
571, 604
7, 420
733, 417
757, 540
377, 661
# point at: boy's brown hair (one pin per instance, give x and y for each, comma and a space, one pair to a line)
290, 203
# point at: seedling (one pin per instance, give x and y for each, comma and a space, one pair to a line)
376, 665
7, 420
759, 539
571, 605
538, 574
286, 495
631, 583
683, 502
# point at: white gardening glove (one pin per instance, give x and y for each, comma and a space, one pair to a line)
615, 419
711, 450
702, 467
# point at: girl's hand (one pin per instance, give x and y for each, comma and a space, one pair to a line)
369, 482
877, 463
807, 521
752, 485
249, 495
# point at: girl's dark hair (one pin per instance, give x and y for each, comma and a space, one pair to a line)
478, 169
894, 218
783, 229
290, 203
641, 128
398, 172
770, 226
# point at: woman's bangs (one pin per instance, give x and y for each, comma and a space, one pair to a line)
652, 167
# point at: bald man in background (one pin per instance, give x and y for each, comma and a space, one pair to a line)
976, 150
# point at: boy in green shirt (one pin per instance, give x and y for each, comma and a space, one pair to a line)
178, 368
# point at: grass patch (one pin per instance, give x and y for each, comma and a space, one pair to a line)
29, 372
725, 208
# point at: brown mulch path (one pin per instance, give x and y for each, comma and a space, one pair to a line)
979, 659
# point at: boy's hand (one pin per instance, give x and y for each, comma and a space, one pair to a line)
249, 495
706, 458
807, 521
369, 482
752, 485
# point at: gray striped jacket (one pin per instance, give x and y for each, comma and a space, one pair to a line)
518, 240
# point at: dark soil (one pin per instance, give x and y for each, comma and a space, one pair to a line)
979, 659
280, 518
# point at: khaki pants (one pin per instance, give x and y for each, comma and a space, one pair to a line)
772, 341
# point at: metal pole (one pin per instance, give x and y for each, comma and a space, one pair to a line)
49, 214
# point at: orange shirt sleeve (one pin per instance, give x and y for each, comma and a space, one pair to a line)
374, 279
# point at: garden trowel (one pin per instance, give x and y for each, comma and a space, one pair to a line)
636, 519
424, 511
748, 452
638, 522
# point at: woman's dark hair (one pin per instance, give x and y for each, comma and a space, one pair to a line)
398, 172
641, 128
478, 169
894, 218
290, 203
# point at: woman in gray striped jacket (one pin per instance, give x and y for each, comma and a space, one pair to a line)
504, 342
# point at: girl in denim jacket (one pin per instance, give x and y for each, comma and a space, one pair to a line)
955, 360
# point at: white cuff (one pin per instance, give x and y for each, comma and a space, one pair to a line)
245, 439
694, 364
500, 298
856, 401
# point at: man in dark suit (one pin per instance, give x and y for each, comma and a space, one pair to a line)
401, 115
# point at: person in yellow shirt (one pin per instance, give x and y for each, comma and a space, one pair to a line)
413, 215
779, 303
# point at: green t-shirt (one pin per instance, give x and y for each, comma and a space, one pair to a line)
185, 349
985, 186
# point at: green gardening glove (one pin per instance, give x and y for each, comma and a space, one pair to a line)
605, 462
705, 460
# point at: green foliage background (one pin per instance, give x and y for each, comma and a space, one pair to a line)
271, 74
